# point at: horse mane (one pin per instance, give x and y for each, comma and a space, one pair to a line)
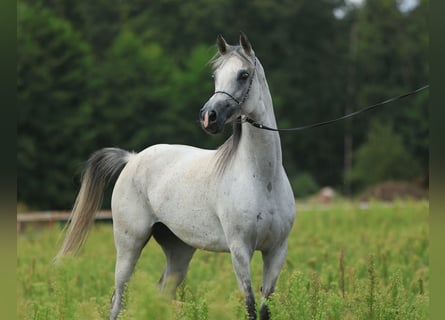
227, 150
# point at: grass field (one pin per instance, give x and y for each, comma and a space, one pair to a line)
343, 263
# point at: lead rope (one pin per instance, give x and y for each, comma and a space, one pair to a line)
347, 116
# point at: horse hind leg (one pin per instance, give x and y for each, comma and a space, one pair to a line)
129, 240
178, 255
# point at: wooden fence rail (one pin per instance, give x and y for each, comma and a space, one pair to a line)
52, 216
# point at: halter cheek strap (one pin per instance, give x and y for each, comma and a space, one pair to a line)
246, 95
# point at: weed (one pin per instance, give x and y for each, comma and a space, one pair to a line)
343, 263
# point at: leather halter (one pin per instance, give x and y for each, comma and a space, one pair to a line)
246, 95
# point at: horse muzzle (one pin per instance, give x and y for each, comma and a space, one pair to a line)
214, 115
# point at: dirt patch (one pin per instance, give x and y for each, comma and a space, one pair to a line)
392, 190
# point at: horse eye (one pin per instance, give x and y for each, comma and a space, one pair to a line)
243, 75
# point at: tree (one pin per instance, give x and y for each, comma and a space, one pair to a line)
132, 74
53, 65
383, 157
97, 22
392, 51
130, 85
143, 97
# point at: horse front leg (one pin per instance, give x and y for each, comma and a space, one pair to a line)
241, 257
273, 260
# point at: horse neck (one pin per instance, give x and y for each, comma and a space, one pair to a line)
262, 148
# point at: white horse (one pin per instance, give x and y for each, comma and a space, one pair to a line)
235, 199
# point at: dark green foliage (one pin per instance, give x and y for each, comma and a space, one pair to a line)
129, 96
383, 157
53, 70
391, 58
304, 185
94, 74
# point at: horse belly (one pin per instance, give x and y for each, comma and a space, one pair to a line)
200, 235
190, 218
181, 197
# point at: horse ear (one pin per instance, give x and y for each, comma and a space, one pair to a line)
245, 44
222, 44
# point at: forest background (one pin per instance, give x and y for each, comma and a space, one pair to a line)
130, 74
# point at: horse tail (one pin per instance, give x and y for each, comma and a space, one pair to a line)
100, 168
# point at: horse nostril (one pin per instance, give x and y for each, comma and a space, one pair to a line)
212, 116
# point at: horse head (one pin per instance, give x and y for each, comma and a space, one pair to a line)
234, 73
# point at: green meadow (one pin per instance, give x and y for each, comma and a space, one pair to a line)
344, 262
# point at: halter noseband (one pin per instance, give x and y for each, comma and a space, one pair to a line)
246, 95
